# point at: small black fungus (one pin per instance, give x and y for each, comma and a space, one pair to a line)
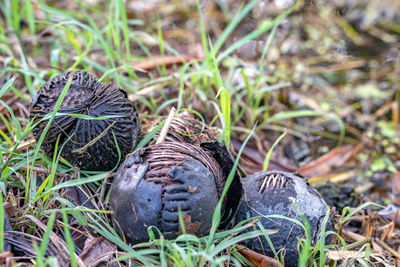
284, 194
154, 182
90, 144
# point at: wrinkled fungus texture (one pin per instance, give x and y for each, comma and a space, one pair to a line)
153, 182
89, 144
282, 193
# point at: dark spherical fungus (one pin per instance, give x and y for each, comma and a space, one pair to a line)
90, 144
153, 182
285, 194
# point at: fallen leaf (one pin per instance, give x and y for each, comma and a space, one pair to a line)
4, 255
190, 227
336, 178
392, 213
258, 259
97, 251
344, 255
325, 164
157, 61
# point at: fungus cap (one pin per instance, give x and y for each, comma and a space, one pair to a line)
153, 182
284, 194
90, 144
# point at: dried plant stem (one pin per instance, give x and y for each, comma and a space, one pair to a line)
353, 236
97, 138
165, 128
359, 243
388, 248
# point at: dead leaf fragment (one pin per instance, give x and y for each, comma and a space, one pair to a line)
4, 256
190, 227
97, 251
343, 255
325, 164
258, 259
192, 189
154, 62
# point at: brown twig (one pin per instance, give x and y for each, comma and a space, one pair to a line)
388, 248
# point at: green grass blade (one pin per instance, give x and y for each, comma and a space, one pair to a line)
46, 236
149, 136
323, 235
266, 236
52, 116
204, 38
269, 153
16, 124
217, 212
69, 241
81, 181
232, 25
308, 113
2, 222
7, 85
257, 32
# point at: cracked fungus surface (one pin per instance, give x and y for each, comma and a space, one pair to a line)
162, 157
156, 181
90, 144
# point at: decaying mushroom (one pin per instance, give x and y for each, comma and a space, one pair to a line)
91, 144
154, 182
281, 193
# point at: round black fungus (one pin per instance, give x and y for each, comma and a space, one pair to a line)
284, 194
153, 182
89, 144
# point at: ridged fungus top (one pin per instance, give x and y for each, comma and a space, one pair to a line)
90, 143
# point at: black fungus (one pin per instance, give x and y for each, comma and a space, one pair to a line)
284, 194
153, 182
89, 144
